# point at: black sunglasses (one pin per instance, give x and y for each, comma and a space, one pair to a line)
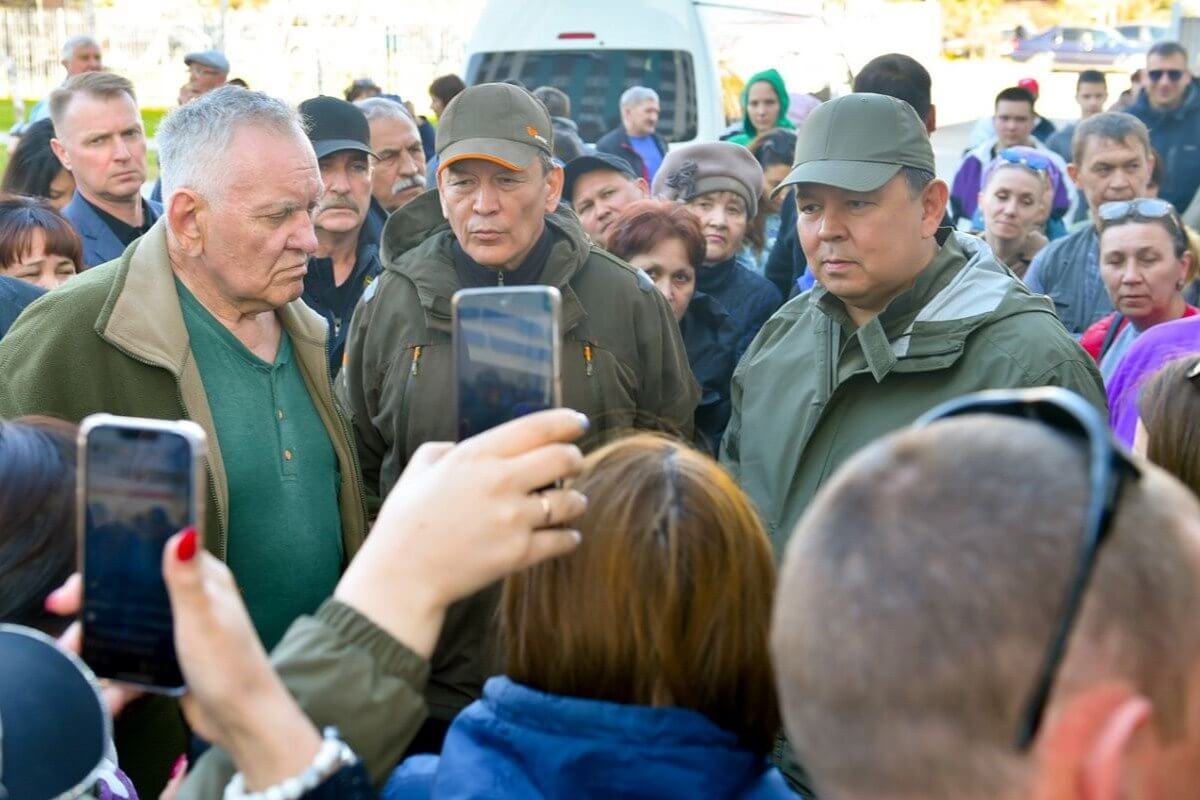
1172, 75
1108, 468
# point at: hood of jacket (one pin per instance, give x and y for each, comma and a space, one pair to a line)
772, 77
417, 244
1152, 116
519, 742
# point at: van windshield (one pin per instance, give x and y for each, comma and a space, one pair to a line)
595, 79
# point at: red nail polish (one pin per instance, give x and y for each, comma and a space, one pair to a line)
186, 549
179, 766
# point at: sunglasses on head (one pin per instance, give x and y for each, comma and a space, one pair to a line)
1173, 75
1109, 466
1143, 209
1028, 160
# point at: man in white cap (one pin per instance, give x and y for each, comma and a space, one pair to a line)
207, 70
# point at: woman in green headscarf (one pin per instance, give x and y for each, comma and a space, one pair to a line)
765, 103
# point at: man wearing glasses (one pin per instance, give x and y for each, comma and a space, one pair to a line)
1170, 107
997, 603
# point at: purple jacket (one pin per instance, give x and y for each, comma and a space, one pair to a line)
1152, 350
964, 192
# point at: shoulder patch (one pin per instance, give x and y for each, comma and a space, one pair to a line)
369, 292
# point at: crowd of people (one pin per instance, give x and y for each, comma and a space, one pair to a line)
867, 484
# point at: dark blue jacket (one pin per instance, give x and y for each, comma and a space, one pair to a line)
786, 263
749, 298
616, 142
14, 296
1175, 134
710, 339
516, 742
100, 244
337, 303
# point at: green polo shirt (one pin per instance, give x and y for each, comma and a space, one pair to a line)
285, 531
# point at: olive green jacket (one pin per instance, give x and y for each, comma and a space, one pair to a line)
623, 364
114, 340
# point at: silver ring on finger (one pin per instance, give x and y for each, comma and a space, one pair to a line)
546, 511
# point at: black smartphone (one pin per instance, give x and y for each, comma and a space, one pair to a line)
139, 483
506, 354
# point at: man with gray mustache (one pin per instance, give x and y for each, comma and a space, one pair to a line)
399, 163
347, 256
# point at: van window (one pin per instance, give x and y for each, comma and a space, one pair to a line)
595, 79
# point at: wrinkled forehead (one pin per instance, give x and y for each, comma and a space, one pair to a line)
265, 166
393, 128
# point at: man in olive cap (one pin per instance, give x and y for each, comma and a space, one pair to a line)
906, 313
494, 220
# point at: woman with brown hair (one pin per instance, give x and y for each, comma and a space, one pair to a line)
1168, 409
664, 240
636, 666
37, 244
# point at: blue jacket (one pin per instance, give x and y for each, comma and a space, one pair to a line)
14, 296
710, 339
1175, 134
616, 142
749, 298
100, 244
516, 742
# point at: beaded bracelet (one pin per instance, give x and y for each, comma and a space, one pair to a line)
333, 756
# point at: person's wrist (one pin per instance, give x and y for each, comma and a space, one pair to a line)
272, 740
411, 613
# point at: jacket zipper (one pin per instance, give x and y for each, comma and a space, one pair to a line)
594, 384
405, 401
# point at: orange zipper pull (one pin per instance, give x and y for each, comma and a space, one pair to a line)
416, 360
587, 357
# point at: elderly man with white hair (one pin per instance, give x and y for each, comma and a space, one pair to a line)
635, 140
80, 54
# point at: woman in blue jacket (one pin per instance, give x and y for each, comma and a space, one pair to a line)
637, 666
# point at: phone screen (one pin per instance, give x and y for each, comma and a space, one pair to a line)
505, 343
138, 490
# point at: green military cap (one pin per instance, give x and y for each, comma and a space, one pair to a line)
859, 142
497, 122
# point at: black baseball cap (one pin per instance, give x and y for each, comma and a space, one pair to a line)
54, 725
334, 124
593, 162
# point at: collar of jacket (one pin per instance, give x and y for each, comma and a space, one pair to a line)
1150, 114
712, 278
142, 318
417, 244
925, 327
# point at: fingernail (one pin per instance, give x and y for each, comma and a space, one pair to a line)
179, 766
577, 536
51, 601
584, 422
186, 549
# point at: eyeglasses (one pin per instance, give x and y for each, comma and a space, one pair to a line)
1109, 466
1030, 160
1173, 75
1143, 209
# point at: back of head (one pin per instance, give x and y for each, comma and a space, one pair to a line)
1113, 126
666, 601
194, 138
33, 167
1169, 407
774, 147
900, 76
37, 517
911, 622
555, 100
94, 84
446, 87
22, 218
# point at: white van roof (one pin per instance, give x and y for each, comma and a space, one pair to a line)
569, 25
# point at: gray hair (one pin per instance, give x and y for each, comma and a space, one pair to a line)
68, 48
1115, 126
384, 109
194, 138
637, 94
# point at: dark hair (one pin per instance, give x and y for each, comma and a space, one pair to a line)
1168, 49
773, 147
1091, 76
1168, 406
362, 87
238, 82
644, 223
675, 555
445, 87
917, 180
33, 167
1114, 126
37, 517
1016, 94
899, 76
1159, 170
556, 101
21, 217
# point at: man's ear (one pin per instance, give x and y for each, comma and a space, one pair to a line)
931, 119
1073, 173
187, 218
441, 193
554, 181
643, 187
1092, 745
933, 207
60, 153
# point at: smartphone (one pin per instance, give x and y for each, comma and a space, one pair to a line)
140, 481
507, 349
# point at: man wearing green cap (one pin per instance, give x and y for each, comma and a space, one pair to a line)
905, 315
494, 220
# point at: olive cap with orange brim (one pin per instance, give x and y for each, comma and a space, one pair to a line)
496, 122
